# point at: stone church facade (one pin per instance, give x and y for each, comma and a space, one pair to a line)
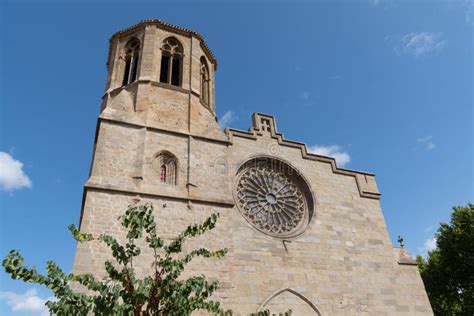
302, 233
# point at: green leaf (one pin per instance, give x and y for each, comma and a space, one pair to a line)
122, 292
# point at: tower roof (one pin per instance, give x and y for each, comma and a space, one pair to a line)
168, 26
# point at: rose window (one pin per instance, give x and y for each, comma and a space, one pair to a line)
272, 200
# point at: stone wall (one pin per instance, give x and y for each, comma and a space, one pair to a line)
344, 262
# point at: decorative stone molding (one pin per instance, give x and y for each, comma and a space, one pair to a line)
264, 124
294, 292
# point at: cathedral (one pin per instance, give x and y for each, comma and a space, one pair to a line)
302, 233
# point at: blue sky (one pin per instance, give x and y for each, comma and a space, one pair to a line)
385, 86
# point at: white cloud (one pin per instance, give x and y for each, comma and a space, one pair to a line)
227, 118
426, 143
342, 157
29, 302
12, 176
429, 245
420, 44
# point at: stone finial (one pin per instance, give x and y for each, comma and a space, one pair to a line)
400, 241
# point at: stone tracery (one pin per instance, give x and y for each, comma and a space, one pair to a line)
171, 61
271, 200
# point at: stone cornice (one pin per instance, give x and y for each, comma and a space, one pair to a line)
146, 81
163, 130
365, 181
91, 186
134, 191
166, 26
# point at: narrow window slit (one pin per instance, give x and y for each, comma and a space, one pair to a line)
163, 173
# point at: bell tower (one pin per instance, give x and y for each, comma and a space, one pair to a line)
157, 136
161, 76
160, 82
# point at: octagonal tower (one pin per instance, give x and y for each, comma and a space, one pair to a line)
163, 76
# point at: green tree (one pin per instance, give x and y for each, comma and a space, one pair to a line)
122, 292
448, 271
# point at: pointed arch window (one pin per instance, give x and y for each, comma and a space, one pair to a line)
132, 50
171, 62
166, 166
205, 93
278, 298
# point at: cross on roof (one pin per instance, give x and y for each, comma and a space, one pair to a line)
400, 241
266, 125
